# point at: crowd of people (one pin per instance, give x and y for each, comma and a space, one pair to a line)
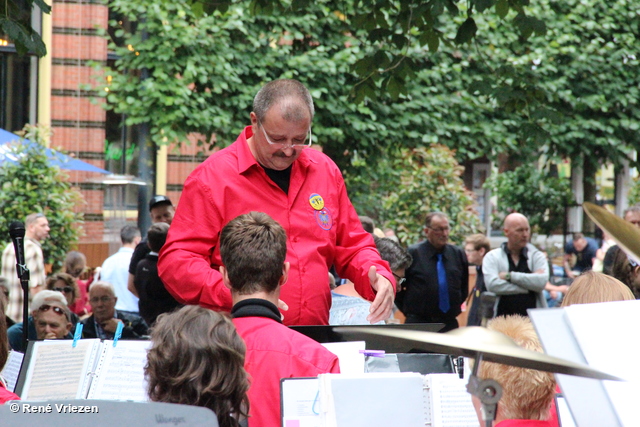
281, 245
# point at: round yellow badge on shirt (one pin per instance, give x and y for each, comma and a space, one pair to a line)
316, 201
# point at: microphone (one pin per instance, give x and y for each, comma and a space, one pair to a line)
16, 231
487, 304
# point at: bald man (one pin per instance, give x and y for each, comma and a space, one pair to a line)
516, 271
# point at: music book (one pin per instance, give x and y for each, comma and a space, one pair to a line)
11, 369
94, 369
403, 398
602, 336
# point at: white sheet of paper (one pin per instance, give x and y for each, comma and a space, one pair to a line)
450, 402
607, 334
351, 360
373, 399
59, 371
300, 402
121, 374
11, 369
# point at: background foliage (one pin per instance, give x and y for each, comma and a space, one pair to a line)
33, 185
531, 192
15, 22
562, 85
634, 191
400, 191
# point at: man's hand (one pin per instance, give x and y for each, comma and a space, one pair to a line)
383, 303
502, 275
111, 325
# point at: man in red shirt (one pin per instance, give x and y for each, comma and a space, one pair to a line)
268, 169
253, 249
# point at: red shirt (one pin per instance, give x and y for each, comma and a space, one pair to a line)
6, 395
274, 352
230, 183
523, 423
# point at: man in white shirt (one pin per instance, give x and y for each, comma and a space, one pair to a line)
115, 269
36, 231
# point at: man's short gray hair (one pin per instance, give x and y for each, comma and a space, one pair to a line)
390, 251
32, 218
278, 90
431, 215
104, 284
52, 298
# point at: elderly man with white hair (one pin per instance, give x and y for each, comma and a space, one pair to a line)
50, 319
105, 318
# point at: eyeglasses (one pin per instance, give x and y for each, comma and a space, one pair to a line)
65, 290
297, 142
96, 300
45, 307
399, 280
439, 230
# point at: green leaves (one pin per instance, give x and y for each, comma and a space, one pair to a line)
466, 32
536, 194
33, 185
15, 22
409, 183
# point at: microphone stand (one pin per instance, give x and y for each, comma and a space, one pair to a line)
24, 276
488, 391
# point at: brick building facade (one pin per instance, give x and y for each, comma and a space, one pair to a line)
79, 122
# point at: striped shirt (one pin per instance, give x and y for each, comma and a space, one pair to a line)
35, 264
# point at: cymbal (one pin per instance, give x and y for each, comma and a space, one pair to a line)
494, 346
626, 235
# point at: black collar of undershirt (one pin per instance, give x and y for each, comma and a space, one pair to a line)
280, 178
256, 307
524, 253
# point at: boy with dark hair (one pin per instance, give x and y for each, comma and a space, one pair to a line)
253, 248
154, 297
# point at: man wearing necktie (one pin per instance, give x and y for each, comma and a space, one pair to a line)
438, 278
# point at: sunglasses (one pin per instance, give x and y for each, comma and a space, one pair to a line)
45, 307
65, 290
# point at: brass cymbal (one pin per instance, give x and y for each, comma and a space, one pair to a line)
626, 235
494, 346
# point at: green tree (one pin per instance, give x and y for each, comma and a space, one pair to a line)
30, 185
402, 188
15, 22
392, 32
533, 193
634, 191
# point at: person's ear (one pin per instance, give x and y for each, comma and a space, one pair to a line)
285, 273
69, 326
225, 277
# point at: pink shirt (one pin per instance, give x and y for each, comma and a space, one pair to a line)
230, 183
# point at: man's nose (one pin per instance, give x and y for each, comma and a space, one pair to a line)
288, 150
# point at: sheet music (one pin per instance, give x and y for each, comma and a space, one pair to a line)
11, 369
58, 370
450, 402
300, 402
373, 399
120, 374
606, 334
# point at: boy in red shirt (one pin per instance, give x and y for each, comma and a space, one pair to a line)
253, 249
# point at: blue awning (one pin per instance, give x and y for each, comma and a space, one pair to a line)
56, 158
